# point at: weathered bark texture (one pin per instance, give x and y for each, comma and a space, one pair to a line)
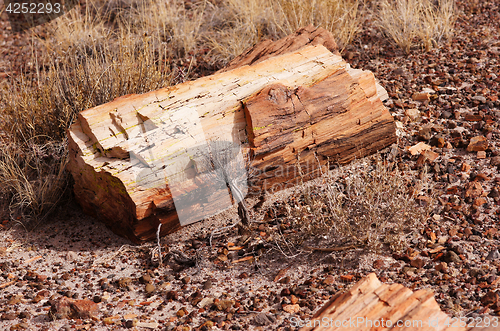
372, 305
134, 160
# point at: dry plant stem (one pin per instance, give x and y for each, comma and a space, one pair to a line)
366, 206
158, 244
333, 249
109, 258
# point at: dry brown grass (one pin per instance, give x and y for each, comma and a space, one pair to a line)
32, 179
237, 24
87, 63
416, 23
368, 205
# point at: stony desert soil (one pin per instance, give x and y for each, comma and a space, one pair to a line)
73, 273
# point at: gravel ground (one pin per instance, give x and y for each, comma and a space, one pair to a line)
73, 273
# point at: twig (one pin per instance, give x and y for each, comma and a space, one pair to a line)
333, 249
34, 259
220, 231
14, 246
247, 258
159, 246
103, 260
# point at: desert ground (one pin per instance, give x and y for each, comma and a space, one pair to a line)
66, 271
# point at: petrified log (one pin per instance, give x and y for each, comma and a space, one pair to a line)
160, 157
372, 305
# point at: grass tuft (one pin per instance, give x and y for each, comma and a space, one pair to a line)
364, 205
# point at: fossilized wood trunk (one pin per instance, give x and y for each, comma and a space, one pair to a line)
372, 305
134, 160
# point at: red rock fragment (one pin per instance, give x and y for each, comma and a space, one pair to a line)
442, 267
482, 176
418, 148
329, 280
347, 278
427, 155
478, 143
378, 264
480, 201
421, 96
489, 298
423, 200
473, 190
74, 309
292, 309
473, 118
417, 263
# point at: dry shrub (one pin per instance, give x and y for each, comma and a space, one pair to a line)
370, 206
239, 24
410, 23
32, 178
341, 17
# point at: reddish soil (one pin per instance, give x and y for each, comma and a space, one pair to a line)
223, 287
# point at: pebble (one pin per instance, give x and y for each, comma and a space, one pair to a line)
223, 304
131, 323
479, 98
145, 279
417, 263
291, 309
263, 319
71, 256
285, 280
413, 114
150, 288
124, 282
424, 134
441, 267
493, 255
478, 143
207, 285
495, 161
451, 256
172, 295
205, 302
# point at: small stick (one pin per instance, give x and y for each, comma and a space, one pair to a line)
247, 258
34, 259
332, 249
159, 246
